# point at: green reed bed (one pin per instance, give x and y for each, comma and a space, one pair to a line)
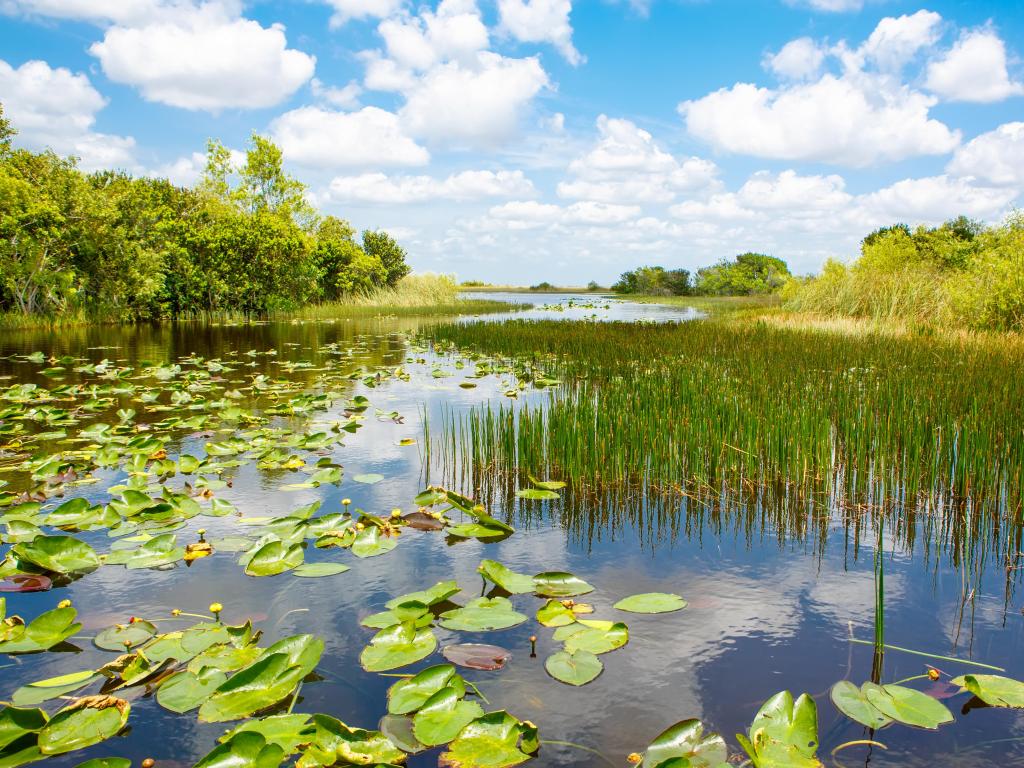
796, 419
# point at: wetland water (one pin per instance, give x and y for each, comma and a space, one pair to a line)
772, 602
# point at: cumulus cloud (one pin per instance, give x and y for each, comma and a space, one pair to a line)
626, 165
467, 185
323, 138
540, 21
56, 108
476, 104
798, 59
523, 214
455, 31
766, 194
204, 57
97, 11
896, 40
974, 69
346, 97
347, 10
936, 198
996, 157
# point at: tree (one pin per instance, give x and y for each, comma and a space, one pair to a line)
747, 274
390, 253
7, 133
264, 185
333, 254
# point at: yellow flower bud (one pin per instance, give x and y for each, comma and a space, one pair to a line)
176, 612
396, 512
346, 502
216, 608
64, 604
635, 758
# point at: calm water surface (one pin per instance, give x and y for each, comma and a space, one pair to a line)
768, 610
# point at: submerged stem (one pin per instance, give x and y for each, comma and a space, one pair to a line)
929, 655
574, 745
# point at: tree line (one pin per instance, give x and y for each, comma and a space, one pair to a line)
745, 275
110, 245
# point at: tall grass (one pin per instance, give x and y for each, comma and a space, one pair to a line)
803, 424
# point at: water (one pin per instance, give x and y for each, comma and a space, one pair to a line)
767, 610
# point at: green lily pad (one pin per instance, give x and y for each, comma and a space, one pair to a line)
851, 701
244, 750
577, 668
547, 485
121, 637
560, 584
685, 745
597, 640
273, 558
44, 690
436, 594
784, 733
408, 695
16, 722
496, 740
370, 478
994, 690
106, 762
370, 542
510, 581
336, 742
286, 731
398, 646
651, 602
44, 632
398, 729
86, 722
443, 716
319, 570
537, 494
483, 614
58, 554
555, 614
184, 691
907, 706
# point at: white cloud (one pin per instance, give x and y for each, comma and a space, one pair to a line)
856, 120
455, 31
204, 57
996, 157
347, 10
522, 214
479, 103
934, 199
766, 195
540, 21
798, 59
974, 69
56, 108
98, 11
346, 97
467, 185
626, 165
317, 138
896, 40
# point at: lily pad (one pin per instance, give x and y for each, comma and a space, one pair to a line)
124, 636
510, 581
784, 733
247, 749
851, 701
651, 602
273, 558
58, 554
51, 688
371, 542
86, 722
337, 742
906, 705
25, 582
537, 494
398, 646
685, 745
577, 668
496, 740
560, 584
16, 722
443, 716
994, 690
407, 696
597, 640
483, 614
477, 656
44, 632
184, 691
370, 478
319, 570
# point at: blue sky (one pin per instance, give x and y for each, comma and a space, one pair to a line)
521, 140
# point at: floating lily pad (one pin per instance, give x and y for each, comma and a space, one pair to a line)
851, 701
123, 636
477, 656
247, 749
784, 733
597, 638
273, 558
398, 729
560, 584
286, 731
319, 570
537, 494
443, 716
510, 581
994, 690
51, 688
407, 696
651, 602
25, 582
44, 632
685, 745
496, 740
86, 722
578, 668
398, 646
16, 722
337, 742
371, 542
906, 705
483, 614
368, 479
184, 691
58, 554
421, 521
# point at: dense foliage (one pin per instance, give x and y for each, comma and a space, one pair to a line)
110, 245
748, 274
959, 274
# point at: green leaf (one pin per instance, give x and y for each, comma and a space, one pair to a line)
537, 494
58, 554
44, 690
397, 646
121, 637
784, 734
483, 614
492, 741
907, 705
554, 614
443, 716
44, 632
510, 581
244, 750
436, 594
651, 602
184, 691
687, 743
577, 668
410, 694
368, 479
16, 722
352, 745
370, 542
86, 722
286, 731
994, 690
560, 584
319, 570
398, 729
273, 558
547, 485
106, 762
850, 700
598, 640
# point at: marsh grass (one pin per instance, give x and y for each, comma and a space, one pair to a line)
801, 426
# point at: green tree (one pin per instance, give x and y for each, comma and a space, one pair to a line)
264, 185
333, 254
747, 274
390, 253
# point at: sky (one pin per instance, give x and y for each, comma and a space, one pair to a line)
516, 141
